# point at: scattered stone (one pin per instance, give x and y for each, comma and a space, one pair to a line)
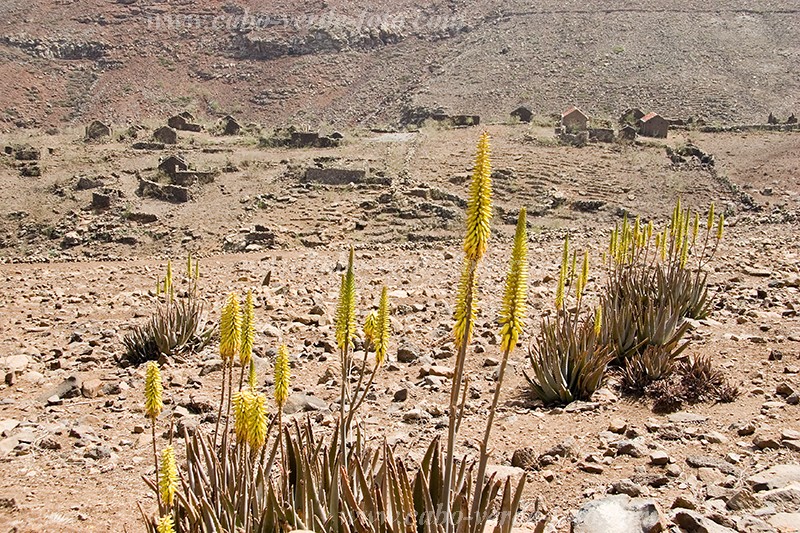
407, 352
525, 458
684, 502
785, 499
705, 461
400, 395
777, 477
744, 429
591, 468
694, 522
686, 418
302, 403
617, 425
416, 415
7, 426
785, 522
659, 458
633, 447
743, 500
619, 514
436, 370
98, 452
766, 442
626, 486
92, 388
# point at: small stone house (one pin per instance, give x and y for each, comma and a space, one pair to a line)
574, 120
522, 113
172, 165
230, 126
631, 116
653, 125
166, 135
97, 130
627, 133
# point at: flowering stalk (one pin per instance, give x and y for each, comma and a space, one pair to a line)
230, 330
512, 320
153, 405
282, 379
479, 215
248, 336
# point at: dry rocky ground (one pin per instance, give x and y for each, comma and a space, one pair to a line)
344, 62
73, 440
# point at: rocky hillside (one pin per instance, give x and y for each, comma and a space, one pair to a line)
342, 62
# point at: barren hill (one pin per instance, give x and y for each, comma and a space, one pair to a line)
343, 62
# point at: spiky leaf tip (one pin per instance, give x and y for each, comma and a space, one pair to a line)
153, 389
466, 305
514, 308
382, 328
168, 476
248, 331
282, 376
165, 524
479, 206
346, 309
230, 328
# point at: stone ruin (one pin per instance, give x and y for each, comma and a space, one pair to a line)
96, 130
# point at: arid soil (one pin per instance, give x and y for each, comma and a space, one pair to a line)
344, 62
73, 440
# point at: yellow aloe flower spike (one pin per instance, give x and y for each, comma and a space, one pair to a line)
583, 278
168, 476
479, 206
196, 269
230, 328
649, 230
710, 221
165, 524
514, 309
282, 376
598, 321
466, 294
720, 226
664, 246
382, 328
658, 241
562, 275
240, 402
153, 388
369, 327
346, 310
169, 289
257, 421
684, 251
695, 228
248, 331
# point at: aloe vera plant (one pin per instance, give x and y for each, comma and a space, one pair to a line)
271, 478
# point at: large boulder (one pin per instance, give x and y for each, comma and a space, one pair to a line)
619, 514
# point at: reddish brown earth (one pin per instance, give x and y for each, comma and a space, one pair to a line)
341, 62
76, 465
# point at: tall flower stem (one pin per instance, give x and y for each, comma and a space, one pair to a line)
155, 456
